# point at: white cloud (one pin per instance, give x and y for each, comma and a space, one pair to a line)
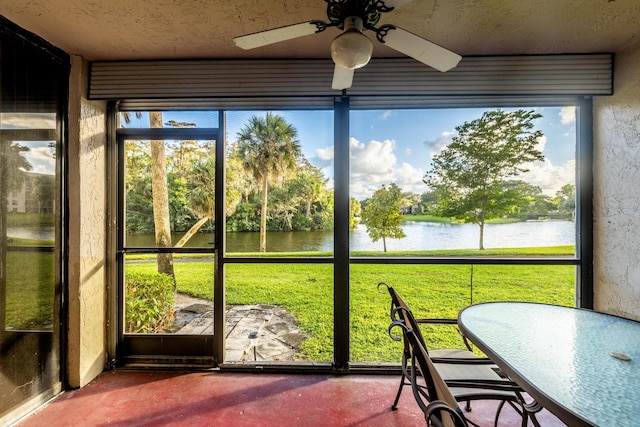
374, 158
27, 120
567, 115
324, 161
409, 178
325, 153
42, 160
550, 178
542, 142
374, 164
371, 166
386, 115
436, 146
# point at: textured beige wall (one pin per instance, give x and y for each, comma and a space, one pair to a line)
87, 217
617, 191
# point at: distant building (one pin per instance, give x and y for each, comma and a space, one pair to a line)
413, 209
34, 196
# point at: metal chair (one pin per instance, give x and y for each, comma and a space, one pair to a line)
467, 376
441, 407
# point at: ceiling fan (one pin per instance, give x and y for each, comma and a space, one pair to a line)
352, 49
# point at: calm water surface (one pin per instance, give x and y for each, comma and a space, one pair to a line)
420, 236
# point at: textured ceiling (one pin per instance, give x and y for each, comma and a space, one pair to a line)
158, 29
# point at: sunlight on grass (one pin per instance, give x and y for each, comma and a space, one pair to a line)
435, 291
29, 290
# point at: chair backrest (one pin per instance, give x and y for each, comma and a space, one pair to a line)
405, 314
437, 389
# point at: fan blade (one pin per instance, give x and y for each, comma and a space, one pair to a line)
420, 49
395, 3
342, 78
275, 35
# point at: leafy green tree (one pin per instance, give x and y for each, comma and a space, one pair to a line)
355, 210
13, 165
308, 184
565, 200
535, 202
470, 175
200, 195
268, 148
382, 216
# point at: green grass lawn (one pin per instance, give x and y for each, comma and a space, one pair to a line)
306, 290
440, 291
29, 290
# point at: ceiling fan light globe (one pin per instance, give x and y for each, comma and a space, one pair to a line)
351, 49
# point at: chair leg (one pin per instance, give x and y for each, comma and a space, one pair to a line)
498, 411
402, 384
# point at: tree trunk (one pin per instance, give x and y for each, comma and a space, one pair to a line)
263, 216
384, 243
309, 202
193, 230
160, 192
481, 236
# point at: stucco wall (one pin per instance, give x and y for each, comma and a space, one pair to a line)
87, 216
617, 191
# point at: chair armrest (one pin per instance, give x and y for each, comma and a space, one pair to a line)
463, 361
434, 410
498, 385
436, 321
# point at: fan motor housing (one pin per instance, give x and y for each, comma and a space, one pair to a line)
369, 10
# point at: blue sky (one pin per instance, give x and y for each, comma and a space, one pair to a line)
40, 155
398, 145
386, 145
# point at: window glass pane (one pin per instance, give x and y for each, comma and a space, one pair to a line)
294, 170
31, 280
550, 284
29, 174
446, 179
431, 291
30, 177
155, 304
30, 292
440, 292
29, 184
171, 119
27, 120
188, 206
279, 312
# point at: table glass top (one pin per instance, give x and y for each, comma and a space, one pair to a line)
566, 354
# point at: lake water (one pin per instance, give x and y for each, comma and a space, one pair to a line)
420, 236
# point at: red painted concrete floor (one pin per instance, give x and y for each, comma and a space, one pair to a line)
150, 398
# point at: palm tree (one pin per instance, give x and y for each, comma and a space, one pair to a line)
201, 195
267, 148
160, 195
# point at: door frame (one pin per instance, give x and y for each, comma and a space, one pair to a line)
164, 349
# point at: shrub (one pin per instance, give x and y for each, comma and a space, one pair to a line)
301, 222
149, 302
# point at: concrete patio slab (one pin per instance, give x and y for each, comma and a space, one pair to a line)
259, 332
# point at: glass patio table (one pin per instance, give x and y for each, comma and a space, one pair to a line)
583, 366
